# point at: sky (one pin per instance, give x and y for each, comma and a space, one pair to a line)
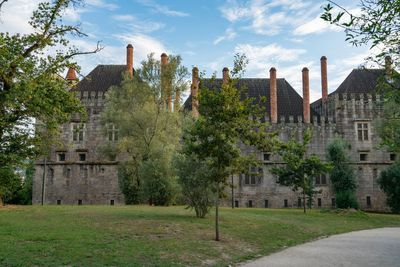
285, 34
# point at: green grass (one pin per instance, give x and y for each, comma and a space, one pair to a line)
161, 236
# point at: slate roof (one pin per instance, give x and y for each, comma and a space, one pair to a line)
101, 78
360, 81
290, 103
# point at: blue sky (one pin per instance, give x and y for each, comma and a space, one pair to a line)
286, 34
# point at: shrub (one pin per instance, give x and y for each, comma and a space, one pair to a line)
389, 182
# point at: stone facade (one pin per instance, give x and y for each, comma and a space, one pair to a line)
76, 172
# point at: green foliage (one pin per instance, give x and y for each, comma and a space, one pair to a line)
342, 174
194, 179
10, 183
148, 134
377, 25
225, 121
32, 90
346, 199
299, 169
160, 185
389, 182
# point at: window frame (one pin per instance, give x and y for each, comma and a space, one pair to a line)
362, 131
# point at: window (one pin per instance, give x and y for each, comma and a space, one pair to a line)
79, 201
61, 156
362, 131
112, 202
368, 202
320, 179
58, 201
265, 203
254, 177
267, 157
392, 157
333, 202
112, 132
285, 203
363, 157
319, 202
82, 156
236, 203
78, 132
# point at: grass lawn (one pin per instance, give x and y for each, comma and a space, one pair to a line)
161, 236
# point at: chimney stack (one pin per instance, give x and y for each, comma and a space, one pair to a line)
166, 93
194, 92
129, 60
306, 96
324, 79
71, 75
273, 95
225, 75
388, 66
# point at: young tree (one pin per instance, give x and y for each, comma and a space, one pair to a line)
299, 169
389, 182
225, 121
342, 174
194, 178
31, 89
149, 133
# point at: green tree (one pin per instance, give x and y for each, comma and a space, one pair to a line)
342, 174
225, 121
389, 182
194, 178
10, 183
31, 90
299, 169
148, 133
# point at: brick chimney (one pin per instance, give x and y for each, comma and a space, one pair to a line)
225, 75
194, 92
273, 95
324, 79
165, 82
388, 66
129, 60
306, 96
71, 75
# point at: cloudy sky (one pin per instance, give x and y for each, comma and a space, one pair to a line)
286, 34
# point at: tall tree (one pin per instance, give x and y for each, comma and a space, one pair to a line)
31, 90
342, 174
148, 132
225, 121
299, 169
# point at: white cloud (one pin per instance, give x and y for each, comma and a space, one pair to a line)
143, 45
267, 17
162, 9
229, 35
262, 56
123, 17
101, 4
316, 25
14, 16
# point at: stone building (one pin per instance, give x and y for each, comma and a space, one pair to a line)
78, 173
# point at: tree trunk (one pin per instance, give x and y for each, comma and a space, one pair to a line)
304, 202
217, 215
233, 199
43, 178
